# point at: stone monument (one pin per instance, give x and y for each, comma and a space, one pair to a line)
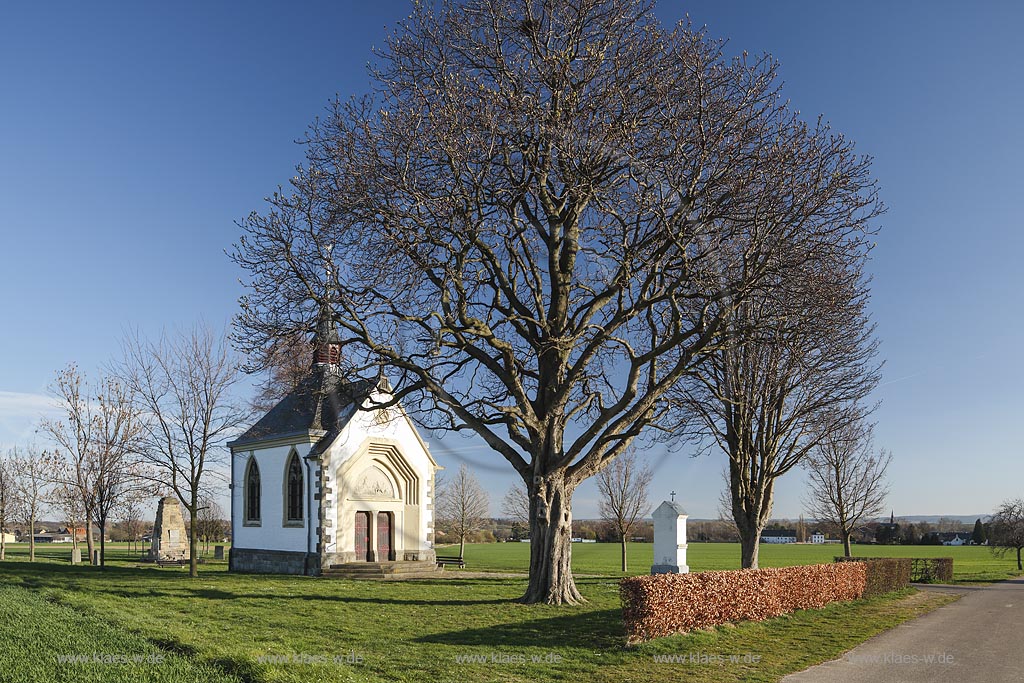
669, 539
170, 542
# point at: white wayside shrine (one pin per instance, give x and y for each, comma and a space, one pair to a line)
669, 539
322, 482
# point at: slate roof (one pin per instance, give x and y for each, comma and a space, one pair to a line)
673, 507
778, 533
316, 405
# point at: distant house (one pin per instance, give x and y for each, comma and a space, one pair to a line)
778, 536
954, 538
56, 537
817, 537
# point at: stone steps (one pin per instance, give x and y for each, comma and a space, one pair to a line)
382, 570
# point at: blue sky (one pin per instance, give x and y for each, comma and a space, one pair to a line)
133, 136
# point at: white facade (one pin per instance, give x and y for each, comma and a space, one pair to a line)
778, 539
817, 538
372, 480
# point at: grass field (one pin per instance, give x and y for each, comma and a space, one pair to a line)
227, 627
970, 563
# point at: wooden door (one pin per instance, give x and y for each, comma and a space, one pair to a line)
362, 536
383, 536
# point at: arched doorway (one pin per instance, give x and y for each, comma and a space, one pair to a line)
363, 537
384, 544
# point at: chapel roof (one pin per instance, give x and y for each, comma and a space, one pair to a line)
321, 400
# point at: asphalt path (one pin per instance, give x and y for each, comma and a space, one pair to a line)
980, 637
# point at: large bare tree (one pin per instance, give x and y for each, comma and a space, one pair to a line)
183, 385
462, 505
802, 357
537, 222
846, 479
623, 485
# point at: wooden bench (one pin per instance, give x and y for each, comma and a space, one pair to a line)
171, 563
442, 561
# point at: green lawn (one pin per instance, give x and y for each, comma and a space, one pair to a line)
970, 563
225, 627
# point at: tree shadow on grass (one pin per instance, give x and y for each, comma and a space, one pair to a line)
590, 630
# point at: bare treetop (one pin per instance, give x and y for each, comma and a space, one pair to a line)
540, 217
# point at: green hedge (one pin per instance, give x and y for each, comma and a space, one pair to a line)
884, 574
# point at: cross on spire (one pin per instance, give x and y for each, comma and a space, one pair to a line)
673, 494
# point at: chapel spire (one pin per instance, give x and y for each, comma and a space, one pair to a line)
326, 342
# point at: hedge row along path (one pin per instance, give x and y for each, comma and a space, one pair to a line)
977, 638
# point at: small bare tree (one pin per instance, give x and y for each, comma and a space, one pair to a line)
286, 365
33, 476
73, 433
210, 520
801, 357
116, 445
516, 503
623, 485
1006, 529
65, 500
7, 500
129, 512
846, 479
183, 386
462, 505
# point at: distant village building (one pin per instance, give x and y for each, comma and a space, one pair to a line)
817, 537
954, 538
778, 536
325, 479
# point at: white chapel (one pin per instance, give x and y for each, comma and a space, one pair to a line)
322, 481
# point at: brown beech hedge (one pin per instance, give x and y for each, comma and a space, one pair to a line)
655, 606
884, 574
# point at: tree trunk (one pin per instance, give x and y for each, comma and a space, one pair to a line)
462, 546
32, 539
103, 545
90, 544
1020, 567
193, 558
624, 565
846, 544
551, 579
193, 539
750, 540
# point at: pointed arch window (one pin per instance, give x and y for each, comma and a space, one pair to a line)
252, 492
293, 489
